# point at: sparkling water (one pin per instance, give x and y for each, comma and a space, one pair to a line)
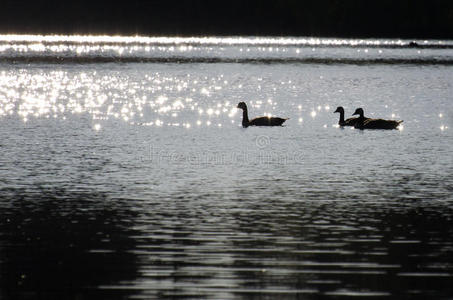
125, 172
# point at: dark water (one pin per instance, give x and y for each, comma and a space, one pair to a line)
136, 181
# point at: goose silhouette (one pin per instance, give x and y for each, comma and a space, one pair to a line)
342, 121
260, 121
368, 123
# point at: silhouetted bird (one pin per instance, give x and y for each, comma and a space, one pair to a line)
342, 121
367, 123
260, 121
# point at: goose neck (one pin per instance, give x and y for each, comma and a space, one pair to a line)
245, 117
341, 116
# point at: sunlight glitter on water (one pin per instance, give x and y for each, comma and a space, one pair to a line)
153, 100
57, 94
139, 49
182, 42
255, 213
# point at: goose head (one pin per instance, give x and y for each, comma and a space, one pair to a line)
242, 105
358, 111
339, 109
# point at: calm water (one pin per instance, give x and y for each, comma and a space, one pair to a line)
125, 173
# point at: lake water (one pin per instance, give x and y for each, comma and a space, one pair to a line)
126, 174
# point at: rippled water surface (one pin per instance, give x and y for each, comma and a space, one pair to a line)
126, 174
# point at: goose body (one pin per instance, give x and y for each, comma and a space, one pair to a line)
368, 123
260, 121
342, 121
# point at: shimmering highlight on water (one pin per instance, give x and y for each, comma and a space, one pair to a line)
126, 173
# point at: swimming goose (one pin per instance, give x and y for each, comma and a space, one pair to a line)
261, 121
367, 123
343, 122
